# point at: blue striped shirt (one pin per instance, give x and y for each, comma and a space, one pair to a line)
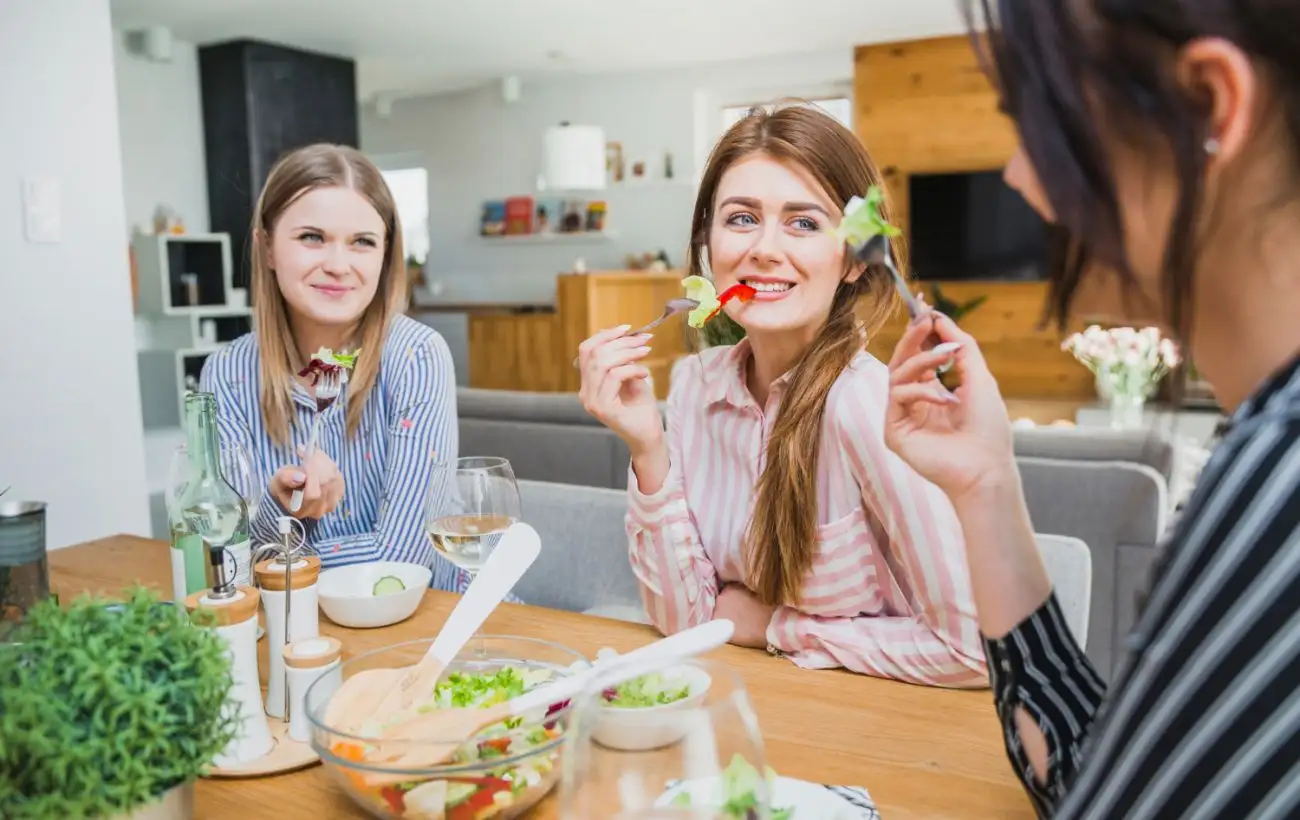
408, 424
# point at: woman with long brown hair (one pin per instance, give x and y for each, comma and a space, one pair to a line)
328, 271
771, 500
1163, 140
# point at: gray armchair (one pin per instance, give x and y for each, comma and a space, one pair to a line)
1119, 510
584, 564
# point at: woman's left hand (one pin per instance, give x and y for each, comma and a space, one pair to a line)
750, 615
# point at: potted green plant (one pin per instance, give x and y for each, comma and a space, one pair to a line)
110, 710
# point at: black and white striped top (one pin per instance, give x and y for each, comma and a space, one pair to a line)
1203, 718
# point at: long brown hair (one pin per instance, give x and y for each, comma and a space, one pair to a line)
782, 535
296, 173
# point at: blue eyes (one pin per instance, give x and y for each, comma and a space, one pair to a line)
312, 237
743, 219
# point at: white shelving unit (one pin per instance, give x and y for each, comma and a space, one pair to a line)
571, 238
186, 311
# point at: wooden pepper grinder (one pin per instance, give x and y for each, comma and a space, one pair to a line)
236, 625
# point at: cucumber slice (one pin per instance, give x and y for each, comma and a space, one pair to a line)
388, 585
458, 793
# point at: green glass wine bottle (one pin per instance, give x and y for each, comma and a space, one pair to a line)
209, 515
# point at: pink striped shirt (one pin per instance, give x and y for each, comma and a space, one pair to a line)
888, 593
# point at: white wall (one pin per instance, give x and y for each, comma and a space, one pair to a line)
70, 429
477, 147
160, 115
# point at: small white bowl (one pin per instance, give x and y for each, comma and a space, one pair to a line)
653, 727
346, 594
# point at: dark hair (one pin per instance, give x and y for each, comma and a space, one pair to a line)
782, 536
1067, 69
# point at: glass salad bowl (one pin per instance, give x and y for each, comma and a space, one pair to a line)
501, 772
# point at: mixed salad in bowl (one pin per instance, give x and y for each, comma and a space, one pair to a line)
500, 773
649, 690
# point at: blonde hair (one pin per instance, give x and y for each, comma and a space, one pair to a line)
302, 170
781, 539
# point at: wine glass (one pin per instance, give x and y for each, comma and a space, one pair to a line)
471, 503
668, 762
236, 468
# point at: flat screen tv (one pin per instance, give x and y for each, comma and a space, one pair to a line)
972, 226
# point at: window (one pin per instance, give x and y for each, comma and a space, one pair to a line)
838, 107
410, 187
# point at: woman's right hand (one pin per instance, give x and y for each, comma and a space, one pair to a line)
959, 441
616, 389
319, 479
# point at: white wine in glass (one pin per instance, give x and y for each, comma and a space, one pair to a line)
472, 502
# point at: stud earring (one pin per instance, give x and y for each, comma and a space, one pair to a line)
1212, 146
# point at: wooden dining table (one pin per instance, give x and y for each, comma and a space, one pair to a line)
923, 753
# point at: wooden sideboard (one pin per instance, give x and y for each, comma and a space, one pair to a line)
532, 347
591, 302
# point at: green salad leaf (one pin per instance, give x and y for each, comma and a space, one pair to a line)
480, 691
648, 690
740, 785
862, 219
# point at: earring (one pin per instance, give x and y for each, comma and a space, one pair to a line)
1212, 146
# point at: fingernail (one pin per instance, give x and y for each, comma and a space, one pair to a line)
947, 348
298, 477
951, 397
623, 328
643, 349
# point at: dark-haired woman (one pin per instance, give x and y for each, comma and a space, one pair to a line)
771, 500
1162, 137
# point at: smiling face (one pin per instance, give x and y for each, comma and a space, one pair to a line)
327, 252
771, 231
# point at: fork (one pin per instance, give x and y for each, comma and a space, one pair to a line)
673, 307
876, 252
328, 388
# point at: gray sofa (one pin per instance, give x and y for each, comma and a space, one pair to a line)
546, 436
1108, 488
549, 437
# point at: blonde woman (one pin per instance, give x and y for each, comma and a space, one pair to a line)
328, 271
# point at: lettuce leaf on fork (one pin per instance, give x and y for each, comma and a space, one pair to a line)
862, 220
702, 291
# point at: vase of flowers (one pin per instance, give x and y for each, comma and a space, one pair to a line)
1128, 365
110, 710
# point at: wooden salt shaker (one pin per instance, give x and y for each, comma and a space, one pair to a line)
307, 661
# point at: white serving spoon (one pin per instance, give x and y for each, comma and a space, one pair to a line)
377, 694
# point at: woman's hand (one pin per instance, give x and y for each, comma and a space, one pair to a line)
959, 440
616, 388
750, 615
320, 481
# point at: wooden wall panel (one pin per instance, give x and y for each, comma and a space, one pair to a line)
925, 106
1027, 361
